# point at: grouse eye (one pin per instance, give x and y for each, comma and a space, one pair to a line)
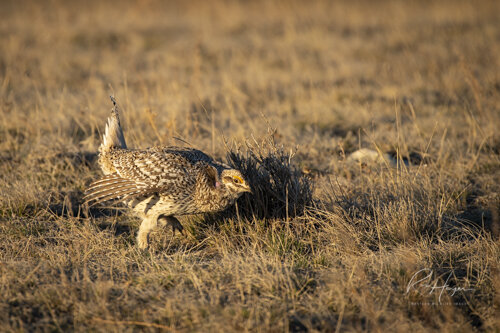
237, 180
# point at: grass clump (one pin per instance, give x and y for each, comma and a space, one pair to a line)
279, 189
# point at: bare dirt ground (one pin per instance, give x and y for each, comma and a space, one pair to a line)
286, 91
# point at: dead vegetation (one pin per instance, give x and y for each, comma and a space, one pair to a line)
324, 243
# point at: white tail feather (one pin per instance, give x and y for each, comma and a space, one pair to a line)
113, 135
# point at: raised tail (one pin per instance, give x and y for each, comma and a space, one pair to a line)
113, 135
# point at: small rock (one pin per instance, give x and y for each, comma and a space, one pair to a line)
365, 155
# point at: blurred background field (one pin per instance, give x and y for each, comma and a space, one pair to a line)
304, 83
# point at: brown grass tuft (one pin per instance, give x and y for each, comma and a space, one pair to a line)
280, 190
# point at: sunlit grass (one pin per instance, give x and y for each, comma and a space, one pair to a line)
285, 92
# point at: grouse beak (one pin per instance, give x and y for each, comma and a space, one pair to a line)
248, 189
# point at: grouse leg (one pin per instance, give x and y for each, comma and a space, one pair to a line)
164, 220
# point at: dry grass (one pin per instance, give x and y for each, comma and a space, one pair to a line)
324, 244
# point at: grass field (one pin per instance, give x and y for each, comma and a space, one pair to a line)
286, 91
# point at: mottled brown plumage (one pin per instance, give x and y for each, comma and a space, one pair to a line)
159, 182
